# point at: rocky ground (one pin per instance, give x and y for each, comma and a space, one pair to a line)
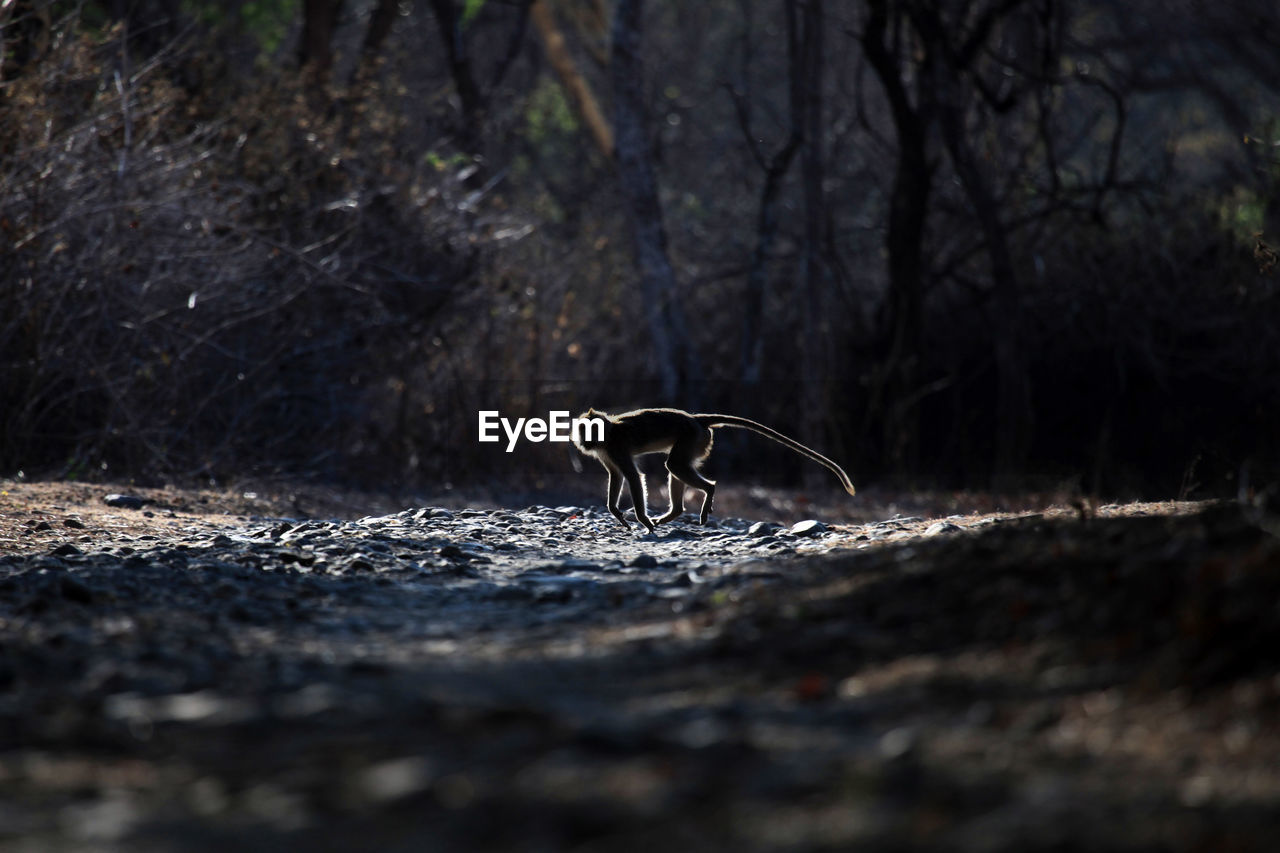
201, 671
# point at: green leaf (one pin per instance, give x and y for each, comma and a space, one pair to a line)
470, 9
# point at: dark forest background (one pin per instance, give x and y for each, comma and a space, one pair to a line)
958, 244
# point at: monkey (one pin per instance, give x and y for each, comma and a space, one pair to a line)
685, 438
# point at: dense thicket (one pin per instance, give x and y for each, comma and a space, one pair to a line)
951, 244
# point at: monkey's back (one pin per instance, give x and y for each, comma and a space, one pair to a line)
658, 431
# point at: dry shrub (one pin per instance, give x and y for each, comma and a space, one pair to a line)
207, 282
1153, 353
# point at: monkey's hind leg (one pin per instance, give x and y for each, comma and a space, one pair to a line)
682, 469
675, 488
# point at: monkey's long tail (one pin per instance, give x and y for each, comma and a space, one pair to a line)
713, 421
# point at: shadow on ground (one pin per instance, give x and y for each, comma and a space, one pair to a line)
1087, 683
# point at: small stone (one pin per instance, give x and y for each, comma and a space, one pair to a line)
74, 523
898, 742
66, 549
125, 501
809, 527
763, 528
644, 561
941, 527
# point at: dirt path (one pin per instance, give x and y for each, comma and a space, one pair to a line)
201, 673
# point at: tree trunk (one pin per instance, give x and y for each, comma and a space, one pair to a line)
775, 170
380, 22
815, 338
893, 387
24, 36
673, 354
315, 48
449, 23
757, 283
1013, 393
584, 101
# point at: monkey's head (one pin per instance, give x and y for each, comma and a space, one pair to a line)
589, 430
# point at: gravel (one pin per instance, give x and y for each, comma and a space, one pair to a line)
541, 679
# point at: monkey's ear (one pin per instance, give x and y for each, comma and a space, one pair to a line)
592, 413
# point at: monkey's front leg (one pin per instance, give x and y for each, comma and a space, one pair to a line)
615, 491
635, 482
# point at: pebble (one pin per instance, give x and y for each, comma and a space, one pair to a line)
809, 527
125, 501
